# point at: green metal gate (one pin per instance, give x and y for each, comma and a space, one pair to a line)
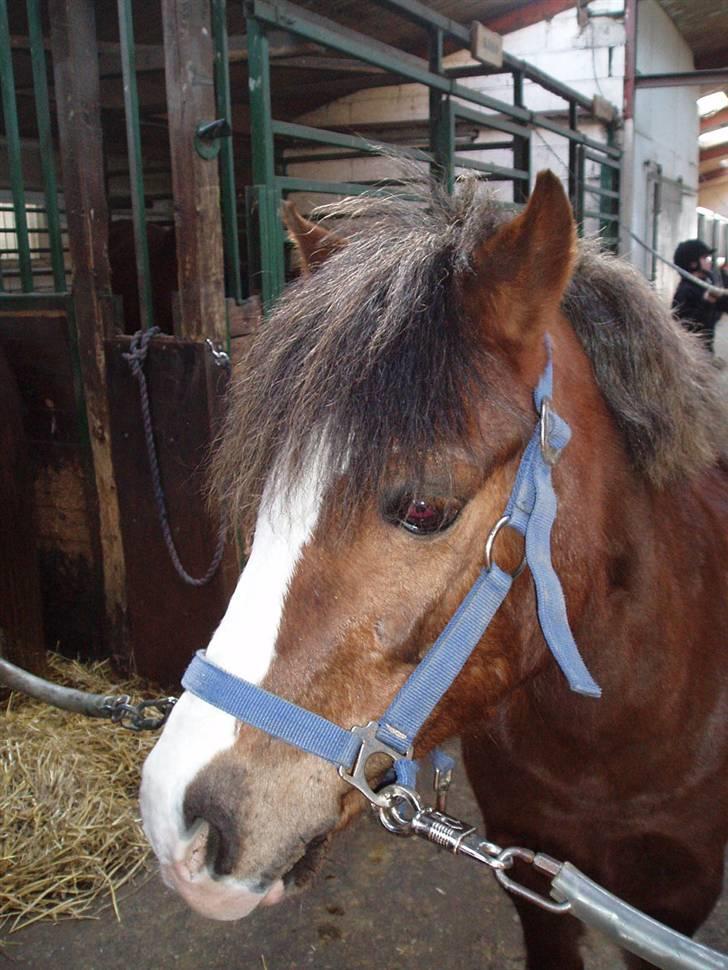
449, 101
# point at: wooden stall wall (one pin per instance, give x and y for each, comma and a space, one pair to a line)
39, 347
168, 618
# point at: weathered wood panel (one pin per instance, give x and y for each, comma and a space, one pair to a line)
168, 619
21, 607
76, 79
39, 350
188, 59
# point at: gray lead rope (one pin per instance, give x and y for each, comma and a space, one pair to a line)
136, 358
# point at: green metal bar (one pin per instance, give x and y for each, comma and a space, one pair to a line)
578, 203
576, 136
286, 16
425, 17
419, 13
521, 148
440, 167
598, 190
48, 168
445, 144
609, 185
15, 160
35, 249
601, 160
486, 146
228, 200
269, 239
502, 172
288, 184
598, 214
299, 159
573, 123
136, 171
260, 104
490, 121
35, 301
322, 136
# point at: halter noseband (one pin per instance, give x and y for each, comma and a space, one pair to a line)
531, 510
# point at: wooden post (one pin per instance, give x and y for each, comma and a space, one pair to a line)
76, 77
189, 66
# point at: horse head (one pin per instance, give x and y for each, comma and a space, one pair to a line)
375, 433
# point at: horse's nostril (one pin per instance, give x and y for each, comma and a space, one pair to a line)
213, 846
196, 856
212, 802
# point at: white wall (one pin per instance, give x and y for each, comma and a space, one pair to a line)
665, 134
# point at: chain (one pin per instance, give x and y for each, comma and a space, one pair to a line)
137, 717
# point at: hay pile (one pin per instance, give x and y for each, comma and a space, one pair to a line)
69, 831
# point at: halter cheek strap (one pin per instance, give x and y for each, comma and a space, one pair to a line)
531, 510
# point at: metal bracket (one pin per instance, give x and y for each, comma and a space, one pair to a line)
208, 135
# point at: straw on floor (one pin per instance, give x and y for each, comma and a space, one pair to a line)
70, 836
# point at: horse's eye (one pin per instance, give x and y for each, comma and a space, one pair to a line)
424, 517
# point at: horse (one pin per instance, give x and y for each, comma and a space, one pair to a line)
371, 443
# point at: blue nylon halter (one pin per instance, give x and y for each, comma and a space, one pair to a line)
531, 510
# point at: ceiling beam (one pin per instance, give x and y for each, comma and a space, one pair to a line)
712, 175
720, 151
682, 78
529, 13
711, 122
712, 59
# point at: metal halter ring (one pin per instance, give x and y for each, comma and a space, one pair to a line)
397, 798
500, 524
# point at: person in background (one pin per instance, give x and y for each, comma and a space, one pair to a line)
697, 309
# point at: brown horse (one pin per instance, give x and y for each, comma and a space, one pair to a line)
373, 441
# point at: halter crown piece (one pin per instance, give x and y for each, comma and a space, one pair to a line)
531, 510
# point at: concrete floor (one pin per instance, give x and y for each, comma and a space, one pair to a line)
378, 902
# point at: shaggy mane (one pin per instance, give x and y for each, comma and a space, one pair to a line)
374, 351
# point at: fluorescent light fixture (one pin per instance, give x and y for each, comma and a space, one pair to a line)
711, 103
711, 138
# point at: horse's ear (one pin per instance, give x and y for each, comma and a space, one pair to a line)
529, 260
314, 243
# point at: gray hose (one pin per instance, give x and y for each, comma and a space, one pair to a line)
67, 698
629, 928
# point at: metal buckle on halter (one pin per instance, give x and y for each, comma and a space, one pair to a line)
550, 454
370, 746
500, 524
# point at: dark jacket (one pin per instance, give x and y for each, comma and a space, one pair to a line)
698, 314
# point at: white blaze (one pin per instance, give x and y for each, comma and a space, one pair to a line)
243, 644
